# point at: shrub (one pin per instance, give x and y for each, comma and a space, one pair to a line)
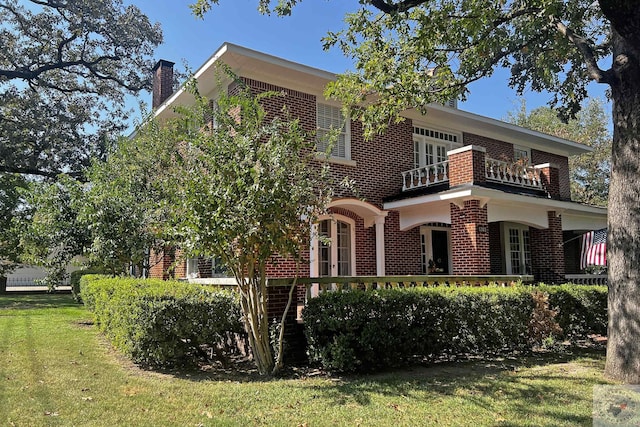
582, 309
163, 323
74, 281
369, 330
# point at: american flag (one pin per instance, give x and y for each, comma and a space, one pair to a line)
594, 248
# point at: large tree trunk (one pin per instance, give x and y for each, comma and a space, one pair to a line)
623, 347
3, 284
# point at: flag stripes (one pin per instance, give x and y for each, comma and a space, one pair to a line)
594, 248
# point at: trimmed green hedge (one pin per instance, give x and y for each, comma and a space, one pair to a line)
370, 330
582, 309
76, 276
163, 323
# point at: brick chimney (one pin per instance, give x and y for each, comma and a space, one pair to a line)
162, 82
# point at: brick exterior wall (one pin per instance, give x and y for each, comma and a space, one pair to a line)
402, 248
470, 239
161, 264
540, 157
498, 150
467, 165
550, 178
547, 251
377, 174
496, 248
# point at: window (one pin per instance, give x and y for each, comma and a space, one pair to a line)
518, 249
329, 120
522, 154
336, 252
205, 267
430, 146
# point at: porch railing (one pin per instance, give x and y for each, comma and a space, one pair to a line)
512, 173
425, 176
317, 285
587, 279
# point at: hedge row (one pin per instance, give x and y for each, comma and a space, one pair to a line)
163, 323
369, 330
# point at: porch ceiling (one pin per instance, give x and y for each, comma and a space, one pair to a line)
501, 206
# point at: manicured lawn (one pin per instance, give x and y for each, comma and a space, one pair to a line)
57, 370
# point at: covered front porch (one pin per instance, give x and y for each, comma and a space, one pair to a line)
475, 230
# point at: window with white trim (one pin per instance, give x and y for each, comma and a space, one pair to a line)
522, 154
333, 129
517, 248
430, 146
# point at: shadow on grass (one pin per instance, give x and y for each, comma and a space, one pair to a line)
27, 301
535, 385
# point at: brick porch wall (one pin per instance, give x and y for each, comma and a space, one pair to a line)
547, 251
470, 239
496, 249
540, 157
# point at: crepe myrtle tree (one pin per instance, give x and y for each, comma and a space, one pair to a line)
125, 205
66, 68
409, 53
247, 187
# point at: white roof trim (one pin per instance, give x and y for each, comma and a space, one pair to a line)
236, 56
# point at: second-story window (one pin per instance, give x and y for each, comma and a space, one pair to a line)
334, 130
522, 154
430, 146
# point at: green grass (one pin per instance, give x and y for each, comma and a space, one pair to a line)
57, 370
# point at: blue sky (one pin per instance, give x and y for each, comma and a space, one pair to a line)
296, 38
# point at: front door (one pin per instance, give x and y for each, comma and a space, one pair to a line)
440, 246
335, 253
436, 258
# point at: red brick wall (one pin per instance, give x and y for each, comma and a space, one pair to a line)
539, 157
495, 248
467, 167
402, 248
550, 178
547, 251
499, 150
161, 264
470, 239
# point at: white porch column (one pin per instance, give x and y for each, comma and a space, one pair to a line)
380, 257
313, 257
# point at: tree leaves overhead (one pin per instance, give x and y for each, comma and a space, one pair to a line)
65, 70
590, 172
419, 52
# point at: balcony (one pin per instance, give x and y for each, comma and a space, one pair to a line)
470, 165
425, 176
512, 173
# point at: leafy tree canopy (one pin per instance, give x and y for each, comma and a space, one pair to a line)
65, 70
413, 52
10, 200
590, 172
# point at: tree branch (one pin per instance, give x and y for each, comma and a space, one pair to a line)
389, 7
37, 172
583, 45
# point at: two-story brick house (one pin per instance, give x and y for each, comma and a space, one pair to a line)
449, 192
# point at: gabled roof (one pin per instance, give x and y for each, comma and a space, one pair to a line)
281, 72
